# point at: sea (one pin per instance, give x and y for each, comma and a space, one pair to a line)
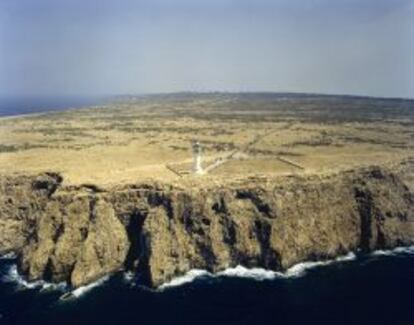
21, 105
376, 288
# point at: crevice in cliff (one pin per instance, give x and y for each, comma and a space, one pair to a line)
133, 229
48, 272
193, 226
364, 201
219, 206
268, 258
379, 223
59, 232
92, 213
229, 231
49, 182
254, 196
143, 268
381, 241
155, 199
138, 254
206, 252
193, 221
31, 233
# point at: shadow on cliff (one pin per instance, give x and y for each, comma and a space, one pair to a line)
137, 259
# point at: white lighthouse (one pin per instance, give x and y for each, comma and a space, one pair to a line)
197, 169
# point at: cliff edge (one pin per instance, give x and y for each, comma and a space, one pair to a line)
80, 233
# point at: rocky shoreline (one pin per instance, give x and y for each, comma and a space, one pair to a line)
159, 231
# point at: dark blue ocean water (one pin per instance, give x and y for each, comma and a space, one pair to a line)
27, 105
370, 289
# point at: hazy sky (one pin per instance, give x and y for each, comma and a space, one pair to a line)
98, 47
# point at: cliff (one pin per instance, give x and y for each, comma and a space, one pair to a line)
80, 233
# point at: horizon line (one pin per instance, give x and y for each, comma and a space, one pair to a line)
206, 92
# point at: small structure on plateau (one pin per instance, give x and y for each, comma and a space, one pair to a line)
197, 169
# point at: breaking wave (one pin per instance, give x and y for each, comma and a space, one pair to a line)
257, 274
86, 288
260, 274
395, 251
300, 269
190, 276
129, 276
13, 276
243, 272
8, 256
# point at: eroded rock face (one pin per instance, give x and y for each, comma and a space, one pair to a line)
22, 201
78, 234
77, 238
105, 247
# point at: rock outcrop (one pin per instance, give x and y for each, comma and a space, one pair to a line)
80, 233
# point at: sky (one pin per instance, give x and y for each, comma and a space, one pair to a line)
102, 47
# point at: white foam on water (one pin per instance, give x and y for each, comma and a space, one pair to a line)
190, 276
300, 269
61, 286
238, 271
86, 288
348, 257
129, 276
394, 251
8, 256
381, 252
243, 272
405, 250
258, 274
13, 276
294, 271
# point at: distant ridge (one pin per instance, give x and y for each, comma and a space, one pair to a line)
250, 94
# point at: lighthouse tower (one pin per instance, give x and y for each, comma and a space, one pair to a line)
197, 169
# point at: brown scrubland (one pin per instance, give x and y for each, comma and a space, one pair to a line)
137, 138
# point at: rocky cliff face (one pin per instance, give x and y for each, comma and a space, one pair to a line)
79, 234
